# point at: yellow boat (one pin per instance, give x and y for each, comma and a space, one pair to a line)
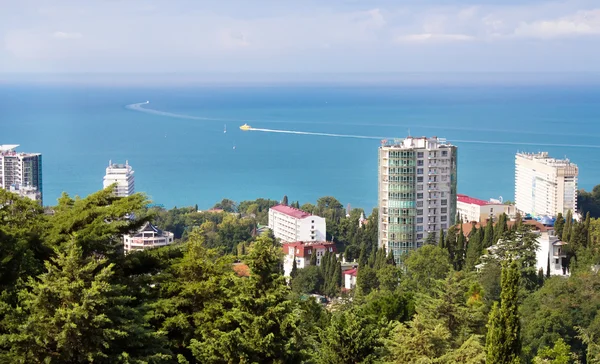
245, 127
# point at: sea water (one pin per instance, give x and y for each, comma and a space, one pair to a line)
187, 158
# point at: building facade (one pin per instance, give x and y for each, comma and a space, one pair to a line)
302, 251
21, 173
551, 254
122, 176
472, 209
147, 237
290, 224
544, 185
350, 278
417, 191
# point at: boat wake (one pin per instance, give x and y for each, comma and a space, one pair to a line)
139, 107
315, 133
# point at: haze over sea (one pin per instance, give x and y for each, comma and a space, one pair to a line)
181, 161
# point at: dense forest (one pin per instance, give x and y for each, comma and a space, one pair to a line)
70, 295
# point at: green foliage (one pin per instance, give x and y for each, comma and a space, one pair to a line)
503, 342
559, 224
589, 202
22, 249
226, 205
426, 265
474, 250
488, 238
559, 354
308, 280
72, 313
97, 222
350, 338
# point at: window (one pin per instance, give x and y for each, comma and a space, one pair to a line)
313, 221
419, 212
419, 179
444, 210
420, 162
419, 236
491, 209
419, 220
419, 203
444, 218
420, 195
444, 202
419, 154
419, 170
419, 227
419, 187
443, 226
444, 153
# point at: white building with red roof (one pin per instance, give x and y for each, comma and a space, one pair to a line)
473, 209
302, 251
290, 224
350, 278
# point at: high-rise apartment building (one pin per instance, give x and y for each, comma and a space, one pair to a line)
417, 191
122, 176
544, 185
21, 173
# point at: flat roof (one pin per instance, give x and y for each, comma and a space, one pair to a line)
290, 211
8, 147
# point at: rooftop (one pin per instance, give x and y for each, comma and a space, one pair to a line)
416, 142
291, 211
8, 147
352, 272
543, 157
471, 200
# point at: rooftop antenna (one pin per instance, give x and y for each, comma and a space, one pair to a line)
409, 132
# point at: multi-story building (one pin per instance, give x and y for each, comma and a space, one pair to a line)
417, 191
544, 185
290, 224
147, 237
302, 251
21, 172
122, 176
472, 209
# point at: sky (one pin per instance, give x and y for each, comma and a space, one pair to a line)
300, 36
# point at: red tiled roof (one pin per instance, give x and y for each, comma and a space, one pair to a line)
290, 211
309, 246
351, 272
471, 200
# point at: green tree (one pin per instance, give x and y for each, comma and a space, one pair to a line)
285, 200
262, 324
503, 343
350, 338
474, 250
559, 224
74, 314
426, 265
294, 271
431, 238
559, 354
97, 222
226, 205
308, 280
501, 227
442, 239
488, 239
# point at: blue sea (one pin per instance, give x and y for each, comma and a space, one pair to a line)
187, 159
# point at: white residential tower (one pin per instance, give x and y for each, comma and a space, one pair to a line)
122, 176
290, 225
21, 173
417, 191
544, 185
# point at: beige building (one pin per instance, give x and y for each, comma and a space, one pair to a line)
417, 191
472, 209
544, 185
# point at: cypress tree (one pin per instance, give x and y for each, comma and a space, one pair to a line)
294, 271
285, 200
559, 224
380, 259
460, 250
474, 249
548, 268
390, 258
313, 258
500, 228
488, 239
566, 233
442, 238
503, 341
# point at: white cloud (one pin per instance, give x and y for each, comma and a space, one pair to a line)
65, 35
433, 37
582, 23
